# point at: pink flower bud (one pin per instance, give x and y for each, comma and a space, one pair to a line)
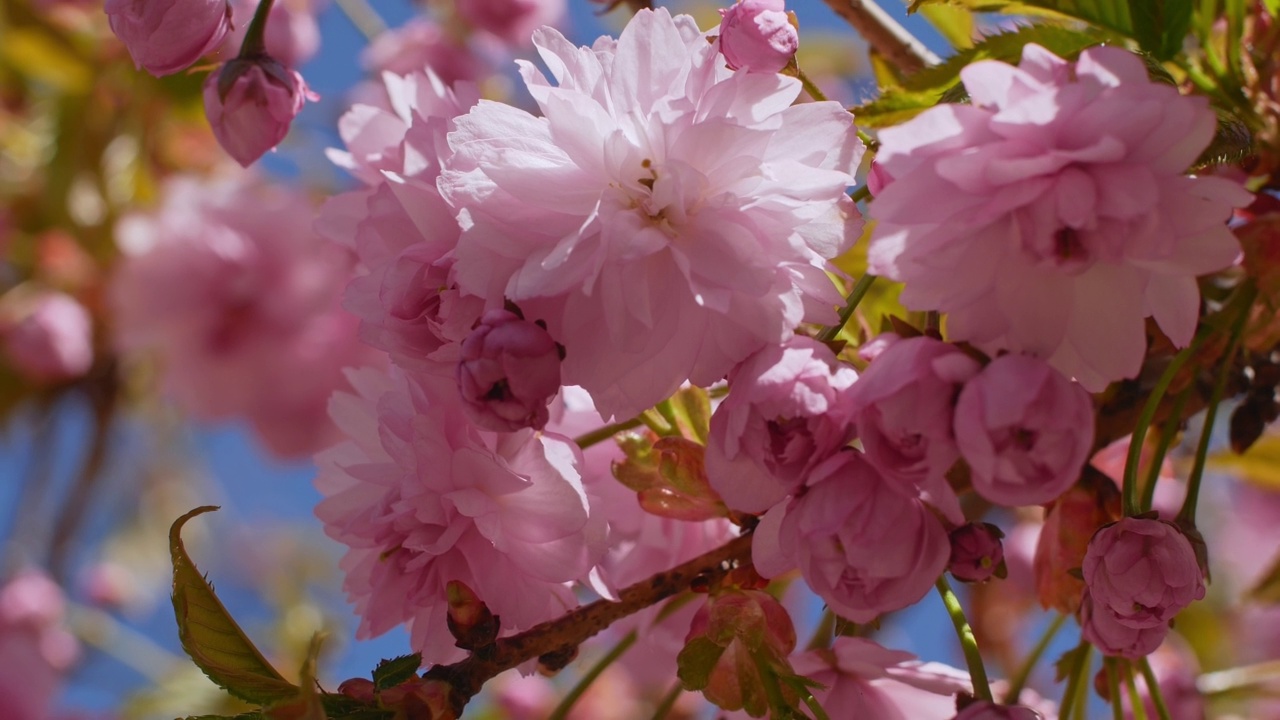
250, 104
976, 552
1105, 630
53, 341
508, 372
987, 710
1025, 430
1144, 571
757, 35
165, 36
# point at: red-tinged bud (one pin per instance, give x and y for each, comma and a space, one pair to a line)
419, 699
730, 637
669, 476
1069, 524
470, 621
359, 689
977, 553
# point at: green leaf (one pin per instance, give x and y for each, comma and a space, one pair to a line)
1160, 25
1273, 7
391, 673
953, 22
1006, 46
1110, 14
39, 56
696, 661
1067, 665
692, 410
894, 106
1267, 590
212, 638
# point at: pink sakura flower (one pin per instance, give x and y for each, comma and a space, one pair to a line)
508, 372
903, 406
166, 36
757, 35
35, 647
229, 287
1100, 626
787, 412
51, 339
419, 45
866, 680
250, 105
1060, 216
666, 217
1025, 430
420, 496
862, 546
1142, 571
513, 21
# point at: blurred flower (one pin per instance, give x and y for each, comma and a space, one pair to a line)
35, 648
52, 338
865, 680
419, 45
514, 21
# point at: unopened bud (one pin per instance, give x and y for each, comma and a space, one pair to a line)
472, 624
977, 553
360, 689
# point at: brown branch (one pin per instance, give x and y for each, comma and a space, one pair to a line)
564, 634
884, 34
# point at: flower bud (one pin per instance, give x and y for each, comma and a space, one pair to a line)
360, 689
52, 340
419, 699
976, 552
1100, 626
987, 710
1144, 571
165, 36
250, 103
470, 621
731, 636
669, 476
508, 371
757, 36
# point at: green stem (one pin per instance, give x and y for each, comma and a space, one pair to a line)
654, 421
1019, 680
665, 410
599, 435
810, 87
1073, 680
1129, 488
255, 44
562, 710
1187, 515
668, 702
819, 713
822, 634
1135, 703
861, 193
1167, 433
968, 643
770, 682
858, 292
1153, 689
1082, 687
1113, 684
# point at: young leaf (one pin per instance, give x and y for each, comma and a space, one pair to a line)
1065, 666
1006, 46
696, 661
1108, 14
391, 673
212, 638
1160, 25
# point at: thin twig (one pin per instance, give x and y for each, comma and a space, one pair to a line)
884, 34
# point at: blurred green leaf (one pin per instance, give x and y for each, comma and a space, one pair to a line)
953, 22
691, 408
306, 704
1110, 14
1267, 590
1260, 465
1160, 25
696, 661
894, 106
212, 638
391, 673
33, 53
1007, 47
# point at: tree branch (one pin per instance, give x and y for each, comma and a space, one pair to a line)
884, 34
564, 634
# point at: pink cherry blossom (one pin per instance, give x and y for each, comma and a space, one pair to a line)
903, 406
229, 287
514, 21
51, 339
1025, 430
508, 372
866, 680
166, 36
1058, 214
757, 35
1144, 571
36, 649
420, 44
420, 496
862, 546
666, 217
787, 412
1102, 627
250, 105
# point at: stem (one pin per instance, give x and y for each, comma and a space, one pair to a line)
562, 710
822, 634
668, 701
770, 682
861, 193
1153, 689
364, 17
570, 630
1130, 486
1019, 680
1187, 515
1167, 433
968, 643
128, 646
858, 292
819, 713
884, 34
1113, 684
599, 435
814, 91
102, 397
1135, 702
255, 44
1083, 651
